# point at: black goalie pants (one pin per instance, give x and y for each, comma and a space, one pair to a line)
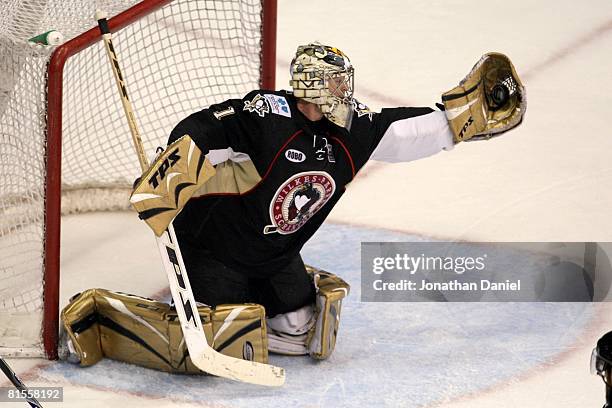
213, 283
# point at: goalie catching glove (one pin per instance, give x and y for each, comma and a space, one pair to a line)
162, 191
489, 101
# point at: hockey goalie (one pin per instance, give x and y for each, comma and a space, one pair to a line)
271, 167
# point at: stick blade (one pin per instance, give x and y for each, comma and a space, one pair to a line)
246, 371
209, 360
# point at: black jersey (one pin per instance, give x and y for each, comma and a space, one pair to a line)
278, 175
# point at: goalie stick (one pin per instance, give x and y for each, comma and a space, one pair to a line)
202, 355
10, 374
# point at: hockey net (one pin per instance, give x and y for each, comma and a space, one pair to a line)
60, 105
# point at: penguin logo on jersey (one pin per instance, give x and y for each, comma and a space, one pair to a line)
362, 109
298, 199
258, 104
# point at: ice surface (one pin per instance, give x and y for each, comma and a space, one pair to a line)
388, 354
549, 180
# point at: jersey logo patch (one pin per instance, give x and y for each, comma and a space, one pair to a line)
297, 200
295, 156
278, 105
258, 104
362, 109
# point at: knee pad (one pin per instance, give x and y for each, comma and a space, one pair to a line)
312, 329
101, 323
288, 332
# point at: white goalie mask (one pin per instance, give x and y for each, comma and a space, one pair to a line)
323, 75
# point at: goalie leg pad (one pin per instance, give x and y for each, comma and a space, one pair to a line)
331, 289
101, 323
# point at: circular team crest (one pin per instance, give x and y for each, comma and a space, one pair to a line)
298, 199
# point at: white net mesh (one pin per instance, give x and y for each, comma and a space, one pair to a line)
176, 61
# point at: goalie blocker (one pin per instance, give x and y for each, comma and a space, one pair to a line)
99, 323
164, 188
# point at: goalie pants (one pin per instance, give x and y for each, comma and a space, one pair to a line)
213, 283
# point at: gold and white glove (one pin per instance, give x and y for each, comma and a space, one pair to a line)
164, 188
490, 100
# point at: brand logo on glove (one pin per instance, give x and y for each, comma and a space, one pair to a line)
465, 126
297, 200
163, 168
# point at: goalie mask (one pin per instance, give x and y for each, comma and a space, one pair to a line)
323, 75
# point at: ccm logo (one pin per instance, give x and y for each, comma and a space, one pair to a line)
295, 156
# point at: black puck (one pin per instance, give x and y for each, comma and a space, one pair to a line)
500, 95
